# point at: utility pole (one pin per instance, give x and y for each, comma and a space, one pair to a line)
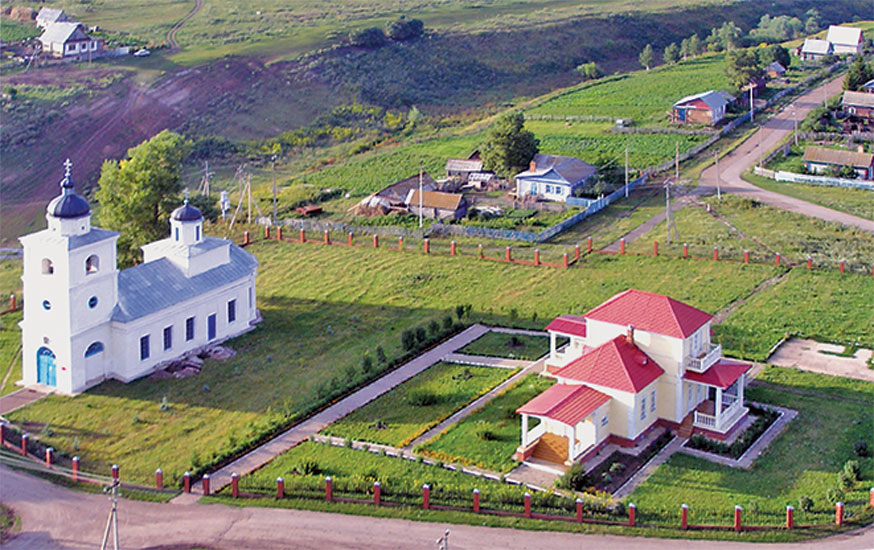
761, 153
249, 198
112, 522
677, 164
273, 160
795, 120
421, 169
668, 207
718, 190
626, 172
752, 106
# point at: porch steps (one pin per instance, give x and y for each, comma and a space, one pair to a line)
551, 448
686, 427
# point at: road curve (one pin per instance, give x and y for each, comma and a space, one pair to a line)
772, 132
55, 517
171, 34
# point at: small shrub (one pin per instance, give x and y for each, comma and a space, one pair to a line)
485, 434
365, 447
617, 467
834, 495
846, 480
459, 311
575, 479
606, 477
421, 335
136, 419
805, 503
853, 469
447, 323
422, 398
380, 355
308, 468
463, 375
367, 363
861, 448
515, 342
165, 404
408, 340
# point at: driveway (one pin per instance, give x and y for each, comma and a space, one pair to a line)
54, 517
808, 355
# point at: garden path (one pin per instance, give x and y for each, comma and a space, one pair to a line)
485, 361
265, 453
20, 398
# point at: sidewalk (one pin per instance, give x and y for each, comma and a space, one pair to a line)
311, 426
20, 398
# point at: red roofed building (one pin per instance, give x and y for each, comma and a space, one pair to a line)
637, 361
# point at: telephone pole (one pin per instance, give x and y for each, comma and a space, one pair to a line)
668, 207
421, 168
626, 172
718, 191
273, 160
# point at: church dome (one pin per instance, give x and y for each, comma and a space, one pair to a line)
186, 213
68, 204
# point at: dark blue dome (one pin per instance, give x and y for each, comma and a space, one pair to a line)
186, 213
68, 204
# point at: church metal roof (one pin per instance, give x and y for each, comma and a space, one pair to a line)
150, 287
186, 212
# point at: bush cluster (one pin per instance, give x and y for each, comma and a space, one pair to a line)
766, 417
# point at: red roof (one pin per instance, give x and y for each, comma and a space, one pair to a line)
721, 374
566, 403
569, 324
615, 364
650, 312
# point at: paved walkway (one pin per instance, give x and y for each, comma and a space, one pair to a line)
20, 398
807, 355
54, 517
485, 361
311, 426
649, 468
522, 331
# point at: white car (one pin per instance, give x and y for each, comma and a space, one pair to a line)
142, 53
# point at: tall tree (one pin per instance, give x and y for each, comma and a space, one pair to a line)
694, 45
672, 53
590, 70
646, 57
774, 52
729, 35
859, 73
137, 194
509, 147
742, 66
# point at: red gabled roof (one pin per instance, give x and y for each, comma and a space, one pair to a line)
615, 364
650, 312
569, 324
566, 403
721, 374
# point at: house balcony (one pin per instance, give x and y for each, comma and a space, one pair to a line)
707, 418
561, 358
706, 360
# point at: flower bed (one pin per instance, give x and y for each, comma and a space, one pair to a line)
766, 417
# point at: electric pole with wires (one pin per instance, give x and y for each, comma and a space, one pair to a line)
112, 522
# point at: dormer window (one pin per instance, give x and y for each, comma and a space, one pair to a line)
176, 233
47, 266
92, 264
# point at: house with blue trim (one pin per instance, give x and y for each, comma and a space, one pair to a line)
553, 177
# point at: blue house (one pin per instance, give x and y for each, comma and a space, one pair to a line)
553, 177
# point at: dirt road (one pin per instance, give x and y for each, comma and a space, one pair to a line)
54, 517
775, 129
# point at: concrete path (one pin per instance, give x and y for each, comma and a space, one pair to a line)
19, 398
521, 331
477, 403
806, 355
54, 517
485, 361
748, 153
311, 426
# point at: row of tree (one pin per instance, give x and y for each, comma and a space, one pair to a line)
399, 30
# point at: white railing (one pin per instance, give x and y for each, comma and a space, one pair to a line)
536, 432
705, 420
701, 364
579, 448
728, 399
728, 417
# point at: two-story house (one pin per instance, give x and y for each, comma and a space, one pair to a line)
637, 361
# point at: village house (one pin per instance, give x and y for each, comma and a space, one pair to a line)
68, 40
635, 362
859, 104
85, 321
820, 160
815, 49
704, 108
553, 177
845, 40
437, 205
775, 70
47, 16
463, 168
868, 87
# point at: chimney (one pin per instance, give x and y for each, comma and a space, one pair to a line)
629, 336
532, 166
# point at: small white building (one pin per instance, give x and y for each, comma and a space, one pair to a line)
815, 49
845, 40
47, 16
85, 321
68, 39
553, 177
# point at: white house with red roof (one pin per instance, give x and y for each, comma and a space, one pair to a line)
637, 361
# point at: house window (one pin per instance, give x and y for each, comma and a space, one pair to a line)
533, 189
210, 327
176, 233
46, 305
47, 266
652, 402
605, 420
250, 297
232, 311
558, 190
92, 302
197, 233
168, 337
548, 189
643, 408
144, 347
189, 329
92, 264
94, 349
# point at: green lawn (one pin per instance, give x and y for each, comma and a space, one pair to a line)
401, 415
324, 308
803, 461
464, 443
825, 306
10, 357
858, 202
511, 346
744, 224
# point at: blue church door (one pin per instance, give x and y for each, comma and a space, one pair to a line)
45, 367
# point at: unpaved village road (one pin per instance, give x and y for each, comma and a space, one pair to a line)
54, 517
775, 129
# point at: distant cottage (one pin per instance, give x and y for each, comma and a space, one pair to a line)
437, 205
553, 177
704, 108
85, 321
815, 49
860, 104
820, 159
47, 16
68, 40
845, 40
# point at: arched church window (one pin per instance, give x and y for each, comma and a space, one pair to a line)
94, 349
47, 266
92, 264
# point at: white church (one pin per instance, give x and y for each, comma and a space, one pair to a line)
85, 321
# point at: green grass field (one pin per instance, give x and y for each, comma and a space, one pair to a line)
13, 31
464, 443
401, 415
803, 461
858, 202
500, 344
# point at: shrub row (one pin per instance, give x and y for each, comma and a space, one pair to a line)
766, 417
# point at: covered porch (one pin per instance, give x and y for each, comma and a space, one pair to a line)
724, 383
566, 425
